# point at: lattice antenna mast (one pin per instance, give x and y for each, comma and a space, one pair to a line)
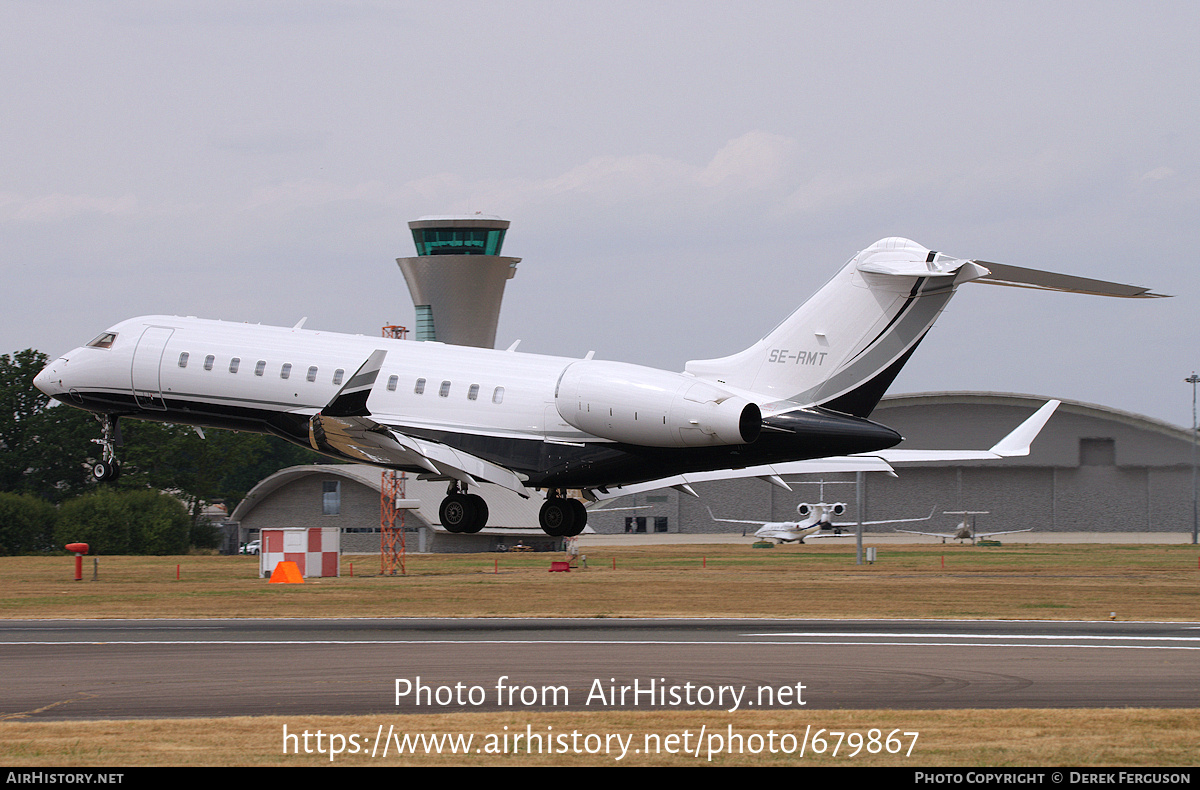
391, 518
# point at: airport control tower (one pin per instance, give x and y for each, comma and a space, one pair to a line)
457, 278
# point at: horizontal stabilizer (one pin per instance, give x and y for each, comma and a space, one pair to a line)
1017, 277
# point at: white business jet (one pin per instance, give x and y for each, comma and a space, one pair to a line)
523, 421
816, 521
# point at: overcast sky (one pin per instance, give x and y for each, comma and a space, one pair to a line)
679, 176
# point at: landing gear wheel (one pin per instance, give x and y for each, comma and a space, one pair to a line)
557, 517
579, 518
106, 471
457, 513
479, 505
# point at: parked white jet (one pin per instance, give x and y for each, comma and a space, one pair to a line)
523, 421
815, 521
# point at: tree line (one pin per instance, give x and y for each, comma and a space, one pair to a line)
169, 474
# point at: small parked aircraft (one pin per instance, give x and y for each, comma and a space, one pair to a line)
966, 528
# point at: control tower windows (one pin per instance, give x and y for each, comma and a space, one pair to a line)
458, 241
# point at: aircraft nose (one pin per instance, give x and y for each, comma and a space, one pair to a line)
48, 381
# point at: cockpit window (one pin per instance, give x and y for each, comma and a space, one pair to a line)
104, 340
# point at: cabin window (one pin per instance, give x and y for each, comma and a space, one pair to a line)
104, 340
392, 382
208, 362
337, 376
233, 364
331, 497
260, 367
183, 358
444, 390
286, 370
420, 388
312, 373
498, 395
473, 392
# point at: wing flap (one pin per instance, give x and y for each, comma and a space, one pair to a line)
366, 441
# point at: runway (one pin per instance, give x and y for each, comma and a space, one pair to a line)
127, 669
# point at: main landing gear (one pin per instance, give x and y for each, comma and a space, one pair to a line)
462, 512
108, 468
561, 516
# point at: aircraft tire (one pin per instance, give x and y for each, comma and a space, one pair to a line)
557, 517
457, 513
579, 518
106, 471
479, 505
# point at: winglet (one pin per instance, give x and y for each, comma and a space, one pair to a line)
351, 400
1017, 443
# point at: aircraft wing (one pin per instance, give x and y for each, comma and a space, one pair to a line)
1015, 444
930, 534
1009, 532
736, 520
892, 520
772, 473
345, 429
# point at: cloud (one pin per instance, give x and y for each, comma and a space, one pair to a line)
753, 162
57, 206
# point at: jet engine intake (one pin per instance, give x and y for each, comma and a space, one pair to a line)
652, 408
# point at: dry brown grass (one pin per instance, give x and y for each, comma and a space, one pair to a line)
1004, 738
1031, 581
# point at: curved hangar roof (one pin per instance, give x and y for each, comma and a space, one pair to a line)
421, 496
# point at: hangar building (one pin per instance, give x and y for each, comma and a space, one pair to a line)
347, 496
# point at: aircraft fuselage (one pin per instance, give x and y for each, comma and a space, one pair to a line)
501, 406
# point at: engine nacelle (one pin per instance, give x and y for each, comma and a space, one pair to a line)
837, 508
652, 408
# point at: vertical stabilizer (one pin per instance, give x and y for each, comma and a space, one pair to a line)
844, 346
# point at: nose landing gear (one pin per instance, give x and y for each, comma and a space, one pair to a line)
108, 468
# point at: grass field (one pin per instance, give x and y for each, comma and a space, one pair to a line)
1024, 581
1030, 581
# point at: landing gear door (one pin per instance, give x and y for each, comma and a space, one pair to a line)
147, 367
